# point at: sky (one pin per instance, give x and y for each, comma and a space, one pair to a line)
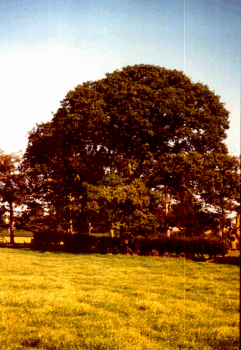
48, 47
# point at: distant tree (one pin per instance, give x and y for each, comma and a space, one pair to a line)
2, 220
11, 187
204, 188
220, 184
151, 127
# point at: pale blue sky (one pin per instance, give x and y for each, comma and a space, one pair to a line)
48, 47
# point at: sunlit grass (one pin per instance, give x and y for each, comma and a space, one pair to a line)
17, 233
64, 301
20, 236
18, 240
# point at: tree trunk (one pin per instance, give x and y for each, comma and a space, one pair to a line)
222, 216
11, 223
70, 229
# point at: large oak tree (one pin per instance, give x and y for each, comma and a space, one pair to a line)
146, 125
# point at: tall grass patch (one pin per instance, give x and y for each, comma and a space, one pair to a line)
64, 301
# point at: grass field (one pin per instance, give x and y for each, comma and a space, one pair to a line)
17, 233
18, 239
62, 301
20, 236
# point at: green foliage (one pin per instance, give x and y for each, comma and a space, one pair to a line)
200, 248
198, 183
12, 187
116, 142
2, 221
124, 204
191, 247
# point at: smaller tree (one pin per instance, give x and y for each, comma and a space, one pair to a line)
11, 184
205, 189
220, 184
124, 204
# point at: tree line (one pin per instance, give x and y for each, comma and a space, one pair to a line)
142, 150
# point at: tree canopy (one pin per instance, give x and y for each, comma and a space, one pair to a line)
118, 145
11, 187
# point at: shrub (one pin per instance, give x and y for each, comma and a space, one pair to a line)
192, 247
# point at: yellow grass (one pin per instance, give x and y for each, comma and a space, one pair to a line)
18, 239
59, 301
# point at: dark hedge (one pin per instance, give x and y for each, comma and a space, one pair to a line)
191, 247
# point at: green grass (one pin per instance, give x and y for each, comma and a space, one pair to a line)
106, 234
18, 239
234, 253
62, 301
17, 233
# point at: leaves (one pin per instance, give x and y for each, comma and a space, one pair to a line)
117, 142
12, 186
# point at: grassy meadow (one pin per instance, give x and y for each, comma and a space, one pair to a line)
20, 236
64, 301
18, 239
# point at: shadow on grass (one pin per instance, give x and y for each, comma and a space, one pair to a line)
230, 260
